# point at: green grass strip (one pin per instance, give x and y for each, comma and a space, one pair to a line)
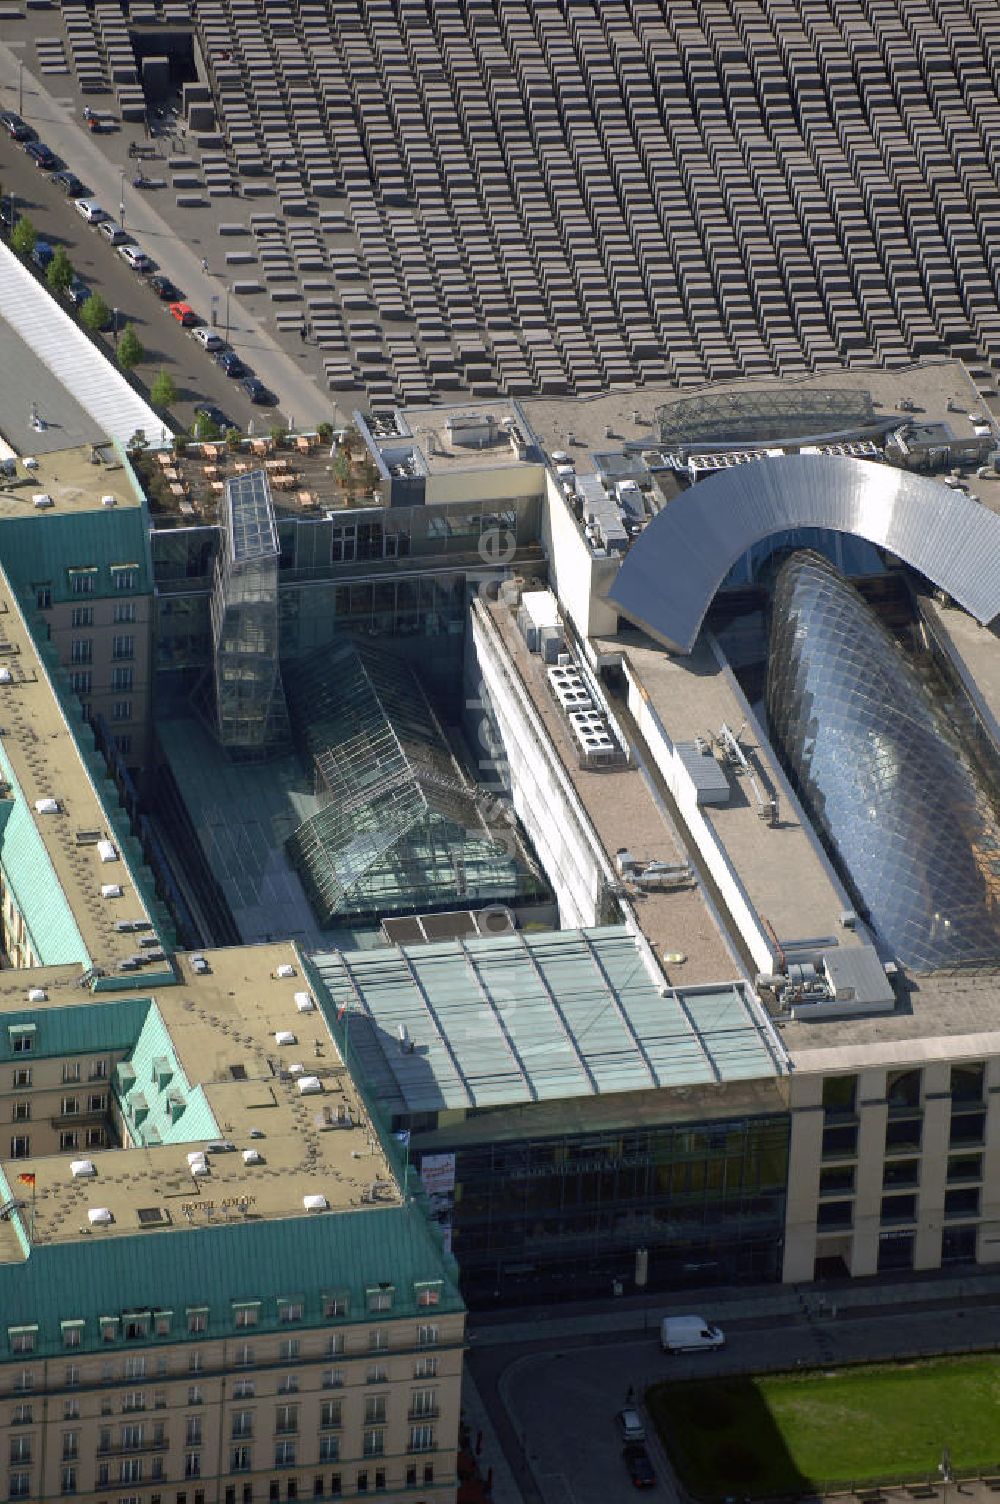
794, 1433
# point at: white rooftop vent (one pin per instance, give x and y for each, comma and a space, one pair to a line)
315, 1203
99, 1216
109, 501
6, 677
284, 1036
111, 890
41, 500
309, 1086
29, 462
304, 1002
37, 994
298, 1069
46, 806
200, 1168
285, 970
252, 1157
82, 1169
197, 1156
107, 850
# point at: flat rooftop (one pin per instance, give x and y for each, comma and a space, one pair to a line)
625, 811
929, 386
222, 1026
523, 1018
41, 761
25, 379
436, 430
71, 480
787, 880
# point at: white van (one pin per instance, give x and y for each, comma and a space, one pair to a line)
689, 1334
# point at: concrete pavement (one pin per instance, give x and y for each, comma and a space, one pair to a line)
299, 397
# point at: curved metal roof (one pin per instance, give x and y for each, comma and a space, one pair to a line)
672, 572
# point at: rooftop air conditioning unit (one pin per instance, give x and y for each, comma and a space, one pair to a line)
107, 851
315, 1203
41, 500
82, 1169
46, 806
284, 970
304, 1002
284, 1036
109, 501
111, 890
99, 1216
37, 994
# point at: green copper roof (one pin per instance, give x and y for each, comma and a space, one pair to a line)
156, 1098
43, 555
31, 877
300, 1258
84, 1029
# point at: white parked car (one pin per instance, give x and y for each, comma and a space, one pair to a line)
114, 232
90, 209
208, 338
135, 257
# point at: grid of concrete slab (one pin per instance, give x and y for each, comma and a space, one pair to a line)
498, 196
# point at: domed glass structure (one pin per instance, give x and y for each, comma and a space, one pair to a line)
881, 773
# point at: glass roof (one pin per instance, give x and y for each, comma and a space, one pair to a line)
252, 529
536, 1017
399, 826
881, 771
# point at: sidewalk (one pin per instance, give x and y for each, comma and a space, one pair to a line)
299, 397
477, 1418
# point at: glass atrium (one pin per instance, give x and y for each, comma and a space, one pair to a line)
397, 825
882, 772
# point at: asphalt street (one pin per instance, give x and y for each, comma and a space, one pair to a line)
551, 1387
149, 217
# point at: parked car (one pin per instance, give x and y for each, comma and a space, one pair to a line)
230, 362
91, 210
44, 159
114, 232
208, 338
135, 257
41, 254
164, 289
78, 292
640, 1469
214, 415
16, 128
184, 314
69, 183
630, 1425
8, 211
257, 391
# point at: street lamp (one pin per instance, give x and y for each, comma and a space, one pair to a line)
227, 313
947, 1476
114, 326
121, 199
20, 86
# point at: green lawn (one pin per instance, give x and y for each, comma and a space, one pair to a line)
792, 1433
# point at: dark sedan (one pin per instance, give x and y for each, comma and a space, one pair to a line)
257, 391
230, 362
164, 289
16, 128
640, 1469
44, 159
69, 183
78, 292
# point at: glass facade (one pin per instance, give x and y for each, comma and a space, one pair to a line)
564, 1216
882, 773
249, 712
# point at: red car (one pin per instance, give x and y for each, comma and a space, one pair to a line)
184, 314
